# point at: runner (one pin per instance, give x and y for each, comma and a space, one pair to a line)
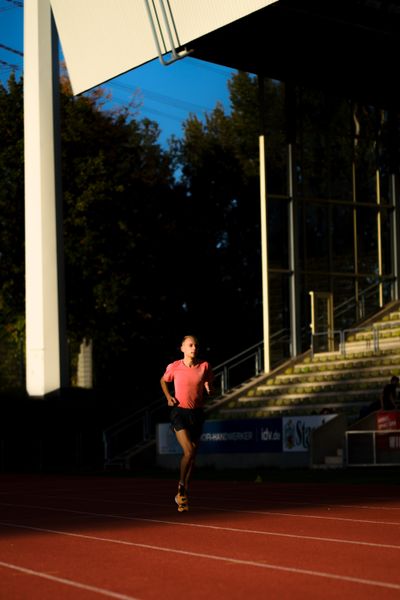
190, 376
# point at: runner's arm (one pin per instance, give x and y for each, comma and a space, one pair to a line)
172, 401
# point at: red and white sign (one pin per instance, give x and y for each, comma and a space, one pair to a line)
387, 420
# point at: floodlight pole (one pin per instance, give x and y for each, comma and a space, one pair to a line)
264, 252
46, 356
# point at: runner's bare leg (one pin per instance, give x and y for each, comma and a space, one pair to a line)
188, 456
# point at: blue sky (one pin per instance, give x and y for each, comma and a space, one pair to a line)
166, 94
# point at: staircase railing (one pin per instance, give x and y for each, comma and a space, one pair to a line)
336, 340
136, 428
243, 365
361, 307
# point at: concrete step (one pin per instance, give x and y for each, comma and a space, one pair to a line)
334, 461
365, 396
368, 345
380, 326
384, 371
393, 316
306, 387
370, 335
350, 408
334, 360
341, 381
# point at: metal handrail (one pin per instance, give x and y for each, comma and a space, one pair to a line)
374, 433
141, 416
236, 356
223, 369
343, 334
359, 303
120, 425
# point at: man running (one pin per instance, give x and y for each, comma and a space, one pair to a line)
190, 377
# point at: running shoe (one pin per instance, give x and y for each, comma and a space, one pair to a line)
182, 499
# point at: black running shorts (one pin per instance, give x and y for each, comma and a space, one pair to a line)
191, 419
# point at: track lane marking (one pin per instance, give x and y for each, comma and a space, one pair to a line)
70, 582
322, 504
199, 496
228, 559
220, 528
226, 510
299, 515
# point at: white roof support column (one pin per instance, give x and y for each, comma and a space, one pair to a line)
42, 252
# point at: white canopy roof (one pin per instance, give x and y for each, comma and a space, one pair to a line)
102, 39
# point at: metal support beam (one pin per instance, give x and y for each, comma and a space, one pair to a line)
264, 252
379, 235
157, 30
295, 332
394, 228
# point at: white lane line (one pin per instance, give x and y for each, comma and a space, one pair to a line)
299, 515
211, 509
316, 503
226, 559
217, 509
222, 529
132, 496
70, 582
128, 497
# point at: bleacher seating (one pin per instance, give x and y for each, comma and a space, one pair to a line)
344, 381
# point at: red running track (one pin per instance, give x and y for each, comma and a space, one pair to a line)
67, 537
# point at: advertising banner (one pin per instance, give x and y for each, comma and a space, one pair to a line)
388, 427
387, 419
233, 436
388, 440
297, 431
249, 435
166, 440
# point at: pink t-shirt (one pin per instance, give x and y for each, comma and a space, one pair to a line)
188, 382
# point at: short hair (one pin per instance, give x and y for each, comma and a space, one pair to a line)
193, 337
394, 379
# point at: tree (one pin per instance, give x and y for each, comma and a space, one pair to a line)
118, 192
220, 170
11, 205
118, 198
11, 234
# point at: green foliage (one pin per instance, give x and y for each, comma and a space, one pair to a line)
220, 172
118, 196
162, 243
11, 204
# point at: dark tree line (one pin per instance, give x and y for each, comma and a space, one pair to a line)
148, 257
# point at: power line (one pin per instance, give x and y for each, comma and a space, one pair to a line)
163, 98
8, 65
11, 50
162, 114
16, 3
140, 110
212, 67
